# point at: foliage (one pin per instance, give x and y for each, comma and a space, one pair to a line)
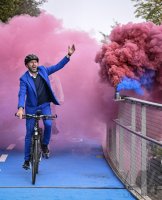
10, 8
150, 10
155, 150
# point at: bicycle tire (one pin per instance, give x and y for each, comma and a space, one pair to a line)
39, 152
35, 161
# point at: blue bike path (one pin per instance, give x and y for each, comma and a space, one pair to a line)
75, 170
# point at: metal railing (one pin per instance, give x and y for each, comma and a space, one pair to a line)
134, 147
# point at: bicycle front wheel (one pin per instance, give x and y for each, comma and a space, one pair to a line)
35, 161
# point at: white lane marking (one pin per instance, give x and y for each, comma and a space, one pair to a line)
3, 157
11, 146
76, 139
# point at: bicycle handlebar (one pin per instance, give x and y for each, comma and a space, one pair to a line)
38, 117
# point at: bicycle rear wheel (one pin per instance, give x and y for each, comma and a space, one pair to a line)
35, 161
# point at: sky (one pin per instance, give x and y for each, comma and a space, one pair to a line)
92, 16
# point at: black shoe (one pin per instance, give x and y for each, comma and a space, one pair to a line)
45, 150
26, 164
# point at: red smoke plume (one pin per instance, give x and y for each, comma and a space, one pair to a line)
132, 50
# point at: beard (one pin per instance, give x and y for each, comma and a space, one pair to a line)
33, 70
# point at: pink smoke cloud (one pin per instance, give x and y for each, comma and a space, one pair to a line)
132, 51
80, 114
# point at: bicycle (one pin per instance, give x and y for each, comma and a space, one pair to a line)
36, 150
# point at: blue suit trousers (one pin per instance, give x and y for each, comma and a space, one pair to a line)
45, 110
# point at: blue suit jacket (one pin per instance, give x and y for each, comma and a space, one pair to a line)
27, 93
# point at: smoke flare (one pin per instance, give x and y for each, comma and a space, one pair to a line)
134, 52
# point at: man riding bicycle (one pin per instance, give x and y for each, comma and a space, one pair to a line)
35, 93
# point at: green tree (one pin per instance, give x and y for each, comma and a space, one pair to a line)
150, 10
10, 8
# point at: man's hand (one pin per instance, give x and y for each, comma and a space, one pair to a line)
20, 112
71, 50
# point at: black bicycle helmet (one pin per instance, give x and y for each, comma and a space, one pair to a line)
30, 57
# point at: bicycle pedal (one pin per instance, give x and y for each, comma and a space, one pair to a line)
45, 155
25, 167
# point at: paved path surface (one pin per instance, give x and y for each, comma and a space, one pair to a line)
76, 170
